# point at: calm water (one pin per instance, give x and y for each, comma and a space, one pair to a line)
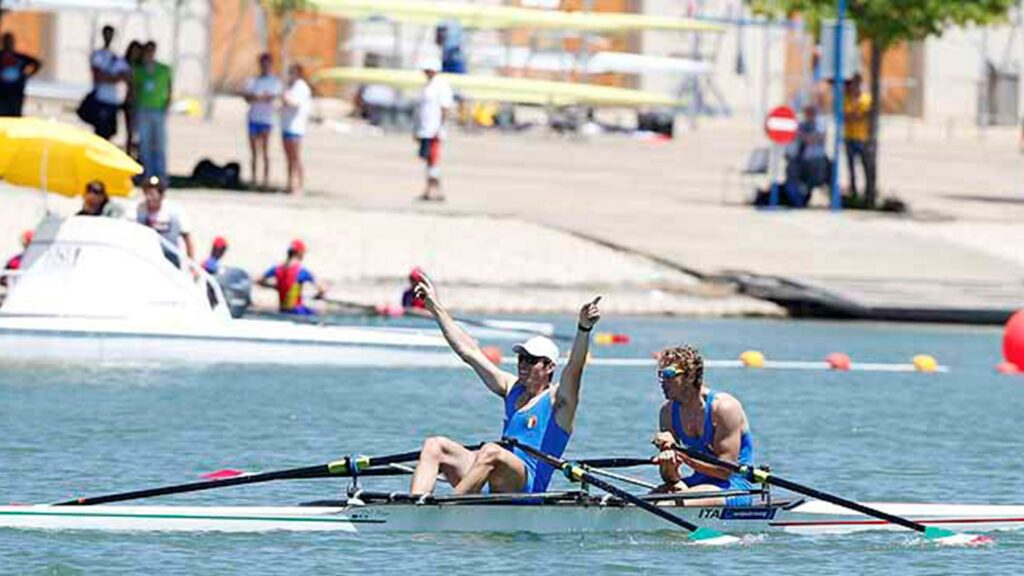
68, 431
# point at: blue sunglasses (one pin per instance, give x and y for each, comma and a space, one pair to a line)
669, 372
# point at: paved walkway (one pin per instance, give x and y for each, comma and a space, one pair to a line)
677, 202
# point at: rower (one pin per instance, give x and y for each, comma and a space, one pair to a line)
14, 263
538, 412
711, 422
289, 278
411, 303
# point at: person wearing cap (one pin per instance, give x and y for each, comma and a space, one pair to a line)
411, 302
166, 217
538, 412
709, 421
289, 278
95, 202
217, 250
432, 113
14, 263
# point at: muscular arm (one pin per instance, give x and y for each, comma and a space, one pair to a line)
567, 396
729, 420
669, 469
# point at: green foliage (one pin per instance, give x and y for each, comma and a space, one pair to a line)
890, 21
287, 7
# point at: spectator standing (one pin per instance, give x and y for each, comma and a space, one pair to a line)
296, 104
261, 92
434, 108
133, 57
15, 70
856, 129
153, 88
164, 216
96, 202
108, 70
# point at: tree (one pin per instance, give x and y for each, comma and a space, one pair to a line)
883, 24
285, 14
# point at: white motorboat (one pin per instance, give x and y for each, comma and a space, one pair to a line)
100, 289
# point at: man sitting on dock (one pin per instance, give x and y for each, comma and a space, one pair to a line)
289, 278
707, 421
538, 413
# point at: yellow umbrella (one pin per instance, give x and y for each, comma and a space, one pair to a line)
60, 158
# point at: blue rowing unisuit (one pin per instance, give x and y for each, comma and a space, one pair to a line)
536, 427
703, 444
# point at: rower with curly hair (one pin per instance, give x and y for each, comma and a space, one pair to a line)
708, 421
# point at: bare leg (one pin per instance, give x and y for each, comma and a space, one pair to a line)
252, 159
681, 488
440, 454
300, 170
497, 466
264, 145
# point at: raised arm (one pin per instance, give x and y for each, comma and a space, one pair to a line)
567, 397
496, 379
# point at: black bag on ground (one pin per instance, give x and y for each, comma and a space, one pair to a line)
207, 173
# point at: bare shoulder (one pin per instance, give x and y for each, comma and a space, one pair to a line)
728, 409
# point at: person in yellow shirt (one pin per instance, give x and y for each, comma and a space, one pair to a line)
856, 129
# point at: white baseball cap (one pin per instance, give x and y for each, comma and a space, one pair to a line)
538, 346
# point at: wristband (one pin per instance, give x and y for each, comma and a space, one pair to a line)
582, 329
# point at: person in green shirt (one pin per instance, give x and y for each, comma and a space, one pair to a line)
152, 83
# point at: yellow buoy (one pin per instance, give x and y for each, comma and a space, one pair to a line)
603, 339
925, 363
752, 359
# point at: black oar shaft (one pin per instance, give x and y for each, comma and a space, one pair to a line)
338, 468
762, 476
589, 478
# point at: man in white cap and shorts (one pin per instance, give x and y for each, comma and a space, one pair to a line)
538, 412
435, 105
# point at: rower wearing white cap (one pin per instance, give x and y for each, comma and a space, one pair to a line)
538, 412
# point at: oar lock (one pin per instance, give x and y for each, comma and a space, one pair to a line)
757, 474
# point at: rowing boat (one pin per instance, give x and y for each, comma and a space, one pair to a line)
550, 513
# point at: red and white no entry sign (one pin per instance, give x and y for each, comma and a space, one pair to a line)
781, 125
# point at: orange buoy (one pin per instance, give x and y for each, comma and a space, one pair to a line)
838, 361
1013, 340
493, 353
1007, 368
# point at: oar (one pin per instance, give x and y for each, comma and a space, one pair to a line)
698, 535
761, 476
347, 466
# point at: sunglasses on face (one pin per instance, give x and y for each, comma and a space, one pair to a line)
94, 190
529, 359
668, 373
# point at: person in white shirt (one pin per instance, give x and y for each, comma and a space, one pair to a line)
434, 108
296, 104
261, 93
167, 218
108, 70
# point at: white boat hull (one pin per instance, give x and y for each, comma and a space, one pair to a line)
66, 339
811, 517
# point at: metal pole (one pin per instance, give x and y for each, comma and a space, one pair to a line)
837, 76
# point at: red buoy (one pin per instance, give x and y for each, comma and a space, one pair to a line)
838, 361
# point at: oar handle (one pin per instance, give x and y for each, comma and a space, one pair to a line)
762, 476
577, 473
